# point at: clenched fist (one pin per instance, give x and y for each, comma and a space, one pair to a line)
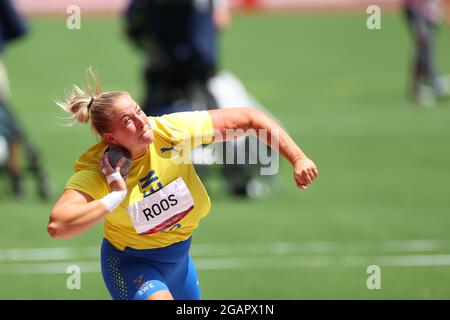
305, 171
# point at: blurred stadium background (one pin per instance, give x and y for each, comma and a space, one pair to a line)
340, 89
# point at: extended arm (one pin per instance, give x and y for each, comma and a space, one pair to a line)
267, 129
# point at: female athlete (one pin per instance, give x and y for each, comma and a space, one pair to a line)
150, 214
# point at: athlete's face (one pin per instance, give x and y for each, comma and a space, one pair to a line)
129, 127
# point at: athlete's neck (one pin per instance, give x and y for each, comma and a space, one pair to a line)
137, 153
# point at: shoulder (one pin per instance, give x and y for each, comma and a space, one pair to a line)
89, 181
177, 125
87, 177
181, 119
90, 159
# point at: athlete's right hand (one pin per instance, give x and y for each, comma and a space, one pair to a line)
117, 183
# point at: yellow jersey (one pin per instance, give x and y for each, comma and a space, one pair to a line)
175, 135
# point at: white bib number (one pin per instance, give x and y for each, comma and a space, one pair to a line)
162, 209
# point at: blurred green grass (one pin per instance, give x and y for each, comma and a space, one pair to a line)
340, 90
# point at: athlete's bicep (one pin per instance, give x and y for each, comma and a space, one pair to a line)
74, 212
224, 120
71, 196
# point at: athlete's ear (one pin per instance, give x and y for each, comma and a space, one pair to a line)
109, 139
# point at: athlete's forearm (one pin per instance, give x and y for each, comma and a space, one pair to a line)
67, 221
286, 145
244, 119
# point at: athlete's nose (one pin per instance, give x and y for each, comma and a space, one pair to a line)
140, 123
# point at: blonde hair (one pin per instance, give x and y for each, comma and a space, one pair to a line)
96, 107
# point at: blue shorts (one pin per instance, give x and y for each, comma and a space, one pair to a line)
138, 273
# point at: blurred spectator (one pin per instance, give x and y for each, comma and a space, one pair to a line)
12, 136
423, 18
178, 39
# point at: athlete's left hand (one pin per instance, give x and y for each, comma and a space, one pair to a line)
305, 171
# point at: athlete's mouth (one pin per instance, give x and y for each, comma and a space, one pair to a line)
145, 131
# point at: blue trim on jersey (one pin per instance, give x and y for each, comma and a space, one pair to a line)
138, 273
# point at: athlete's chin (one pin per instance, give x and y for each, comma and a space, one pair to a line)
147, 137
